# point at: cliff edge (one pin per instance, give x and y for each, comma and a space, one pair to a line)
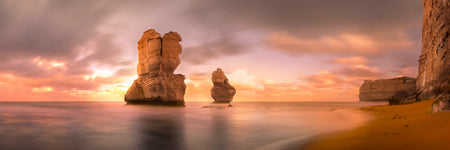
382, 90
433, 80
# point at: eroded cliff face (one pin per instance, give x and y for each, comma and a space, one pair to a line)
149, 47
382, 90
434, 62
433, 80
158, 59
222, 92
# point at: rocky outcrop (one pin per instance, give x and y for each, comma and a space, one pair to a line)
403, 97
171, 49
433, 80
158, 59
222, 92
149, 47
382, 90
442, 103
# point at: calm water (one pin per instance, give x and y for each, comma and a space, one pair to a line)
116, 126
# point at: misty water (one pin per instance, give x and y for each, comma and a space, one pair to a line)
199, 125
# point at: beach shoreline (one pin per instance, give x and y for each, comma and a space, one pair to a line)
410, 126
359, 118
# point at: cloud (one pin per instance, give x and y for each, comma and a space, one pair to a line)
325, 17
324, 79
252, 88
359, 72
213, 48
87, 49
355, 60
335, 44
198, 87
44, 89
41, 39
50, 28
349, 73
409, 71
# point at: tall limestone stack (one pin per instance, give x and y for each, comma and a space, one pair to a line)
382, 90
433, 80
158, 59
222, 92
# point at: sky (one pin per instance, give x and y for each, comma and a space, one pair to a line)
291, 50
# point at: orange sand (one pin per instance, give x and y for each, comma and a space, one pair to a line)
396, 127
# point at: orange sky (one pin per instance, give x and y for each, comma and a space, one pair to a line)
283, 51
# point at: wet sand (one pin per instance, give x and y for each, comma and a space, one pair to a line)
395, 127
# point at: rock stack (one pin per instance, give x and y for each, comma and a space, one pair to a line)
222, 92
433, 80
158, 59
395, 89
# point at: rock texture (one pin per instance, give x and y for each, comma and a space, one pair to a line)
403, 97
171, 49
442, 103
382, 90
158, 59
434, 64
149, 47
222, 92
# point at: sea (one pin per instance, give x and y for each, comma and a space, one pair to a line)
197, 126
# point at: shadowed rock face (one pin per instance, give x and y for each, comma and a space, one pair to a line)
403, 97
381, 90
157, 89
158, 59
171, 49
222, 92
434, 63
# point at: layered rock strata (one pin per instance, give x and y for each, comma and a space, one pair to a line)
382, 90
222, 92
433, 80
158, 59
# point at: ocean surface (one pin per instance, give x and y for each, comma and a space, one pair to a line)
198, 126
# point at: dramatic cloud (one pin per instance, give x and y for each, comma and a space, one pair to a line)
50, 28
335, 44
86, 50
312, 18
348, 73
212, 49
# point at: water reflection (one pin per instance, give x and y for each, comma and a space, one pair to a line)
161, 133
220, 130
106, 126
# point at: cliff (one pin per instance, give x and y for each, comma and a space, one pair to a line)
433, 80
382, 90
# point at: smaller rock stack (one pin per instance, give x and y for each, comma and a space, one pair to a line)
222, 92
158, 59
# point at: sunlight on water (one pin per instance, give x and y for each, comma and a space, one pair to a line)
105, 126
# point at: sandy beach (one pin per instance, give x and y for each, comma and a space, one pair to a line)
395, 127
